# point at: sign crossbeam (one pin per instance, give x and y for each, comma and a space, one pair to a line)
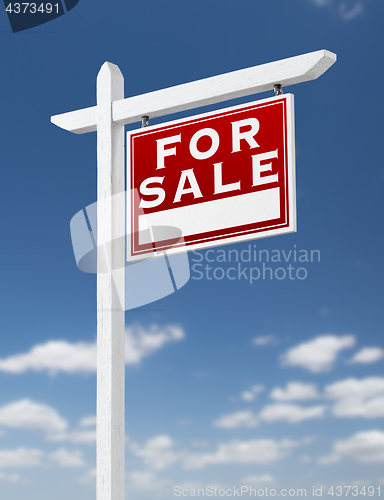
211, 90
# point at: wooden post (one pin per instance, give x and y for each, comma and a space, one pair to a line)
110, 311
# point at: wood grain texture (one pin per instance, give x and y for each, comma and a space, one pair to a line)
191, 95
110, 312
81, 121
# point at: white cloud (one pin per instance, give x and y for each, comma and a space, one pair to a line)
89, 421
236, 420
66, 458
20, 457
290, 413
84, 434
264, 340
321, 3
248, 396
325, 311
11, 478
80, 357
200, 444
263, 451
258, 480
352, 387
368, 355
157, 452
140, 343
27, 414
54, 356
89, 476
76, 436
146, 481
160, 453
317, 355
295, 391
32, 457
347, 9
350, 12
357, 398
363, 447
252, 393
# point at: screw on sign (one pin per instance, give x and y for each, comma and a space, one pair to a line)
220, 177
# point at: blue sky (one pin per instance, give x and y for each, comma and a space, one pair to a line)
276, 384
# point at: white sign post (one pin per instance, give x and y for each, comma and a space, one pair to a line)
108, 118
110, 287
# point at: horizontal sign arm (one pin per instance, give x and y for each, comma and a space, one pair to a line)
203, 92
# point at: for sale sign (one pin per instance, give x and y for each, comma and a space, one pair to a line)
220, 177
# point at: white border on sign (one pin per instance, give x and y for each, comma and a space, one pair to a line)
226, 240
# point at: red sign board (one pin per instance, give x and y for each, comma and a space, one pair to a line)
220, 177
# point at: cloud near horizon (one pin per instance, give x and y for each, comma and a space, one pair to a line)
251, 394
357, 397
295, 391
33, 457
290, 413
363, 447
347, 398
245, 419
264, 340
368, 355
160, 453
30, 415
81, 357
27, 414
346, 9
317, 355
